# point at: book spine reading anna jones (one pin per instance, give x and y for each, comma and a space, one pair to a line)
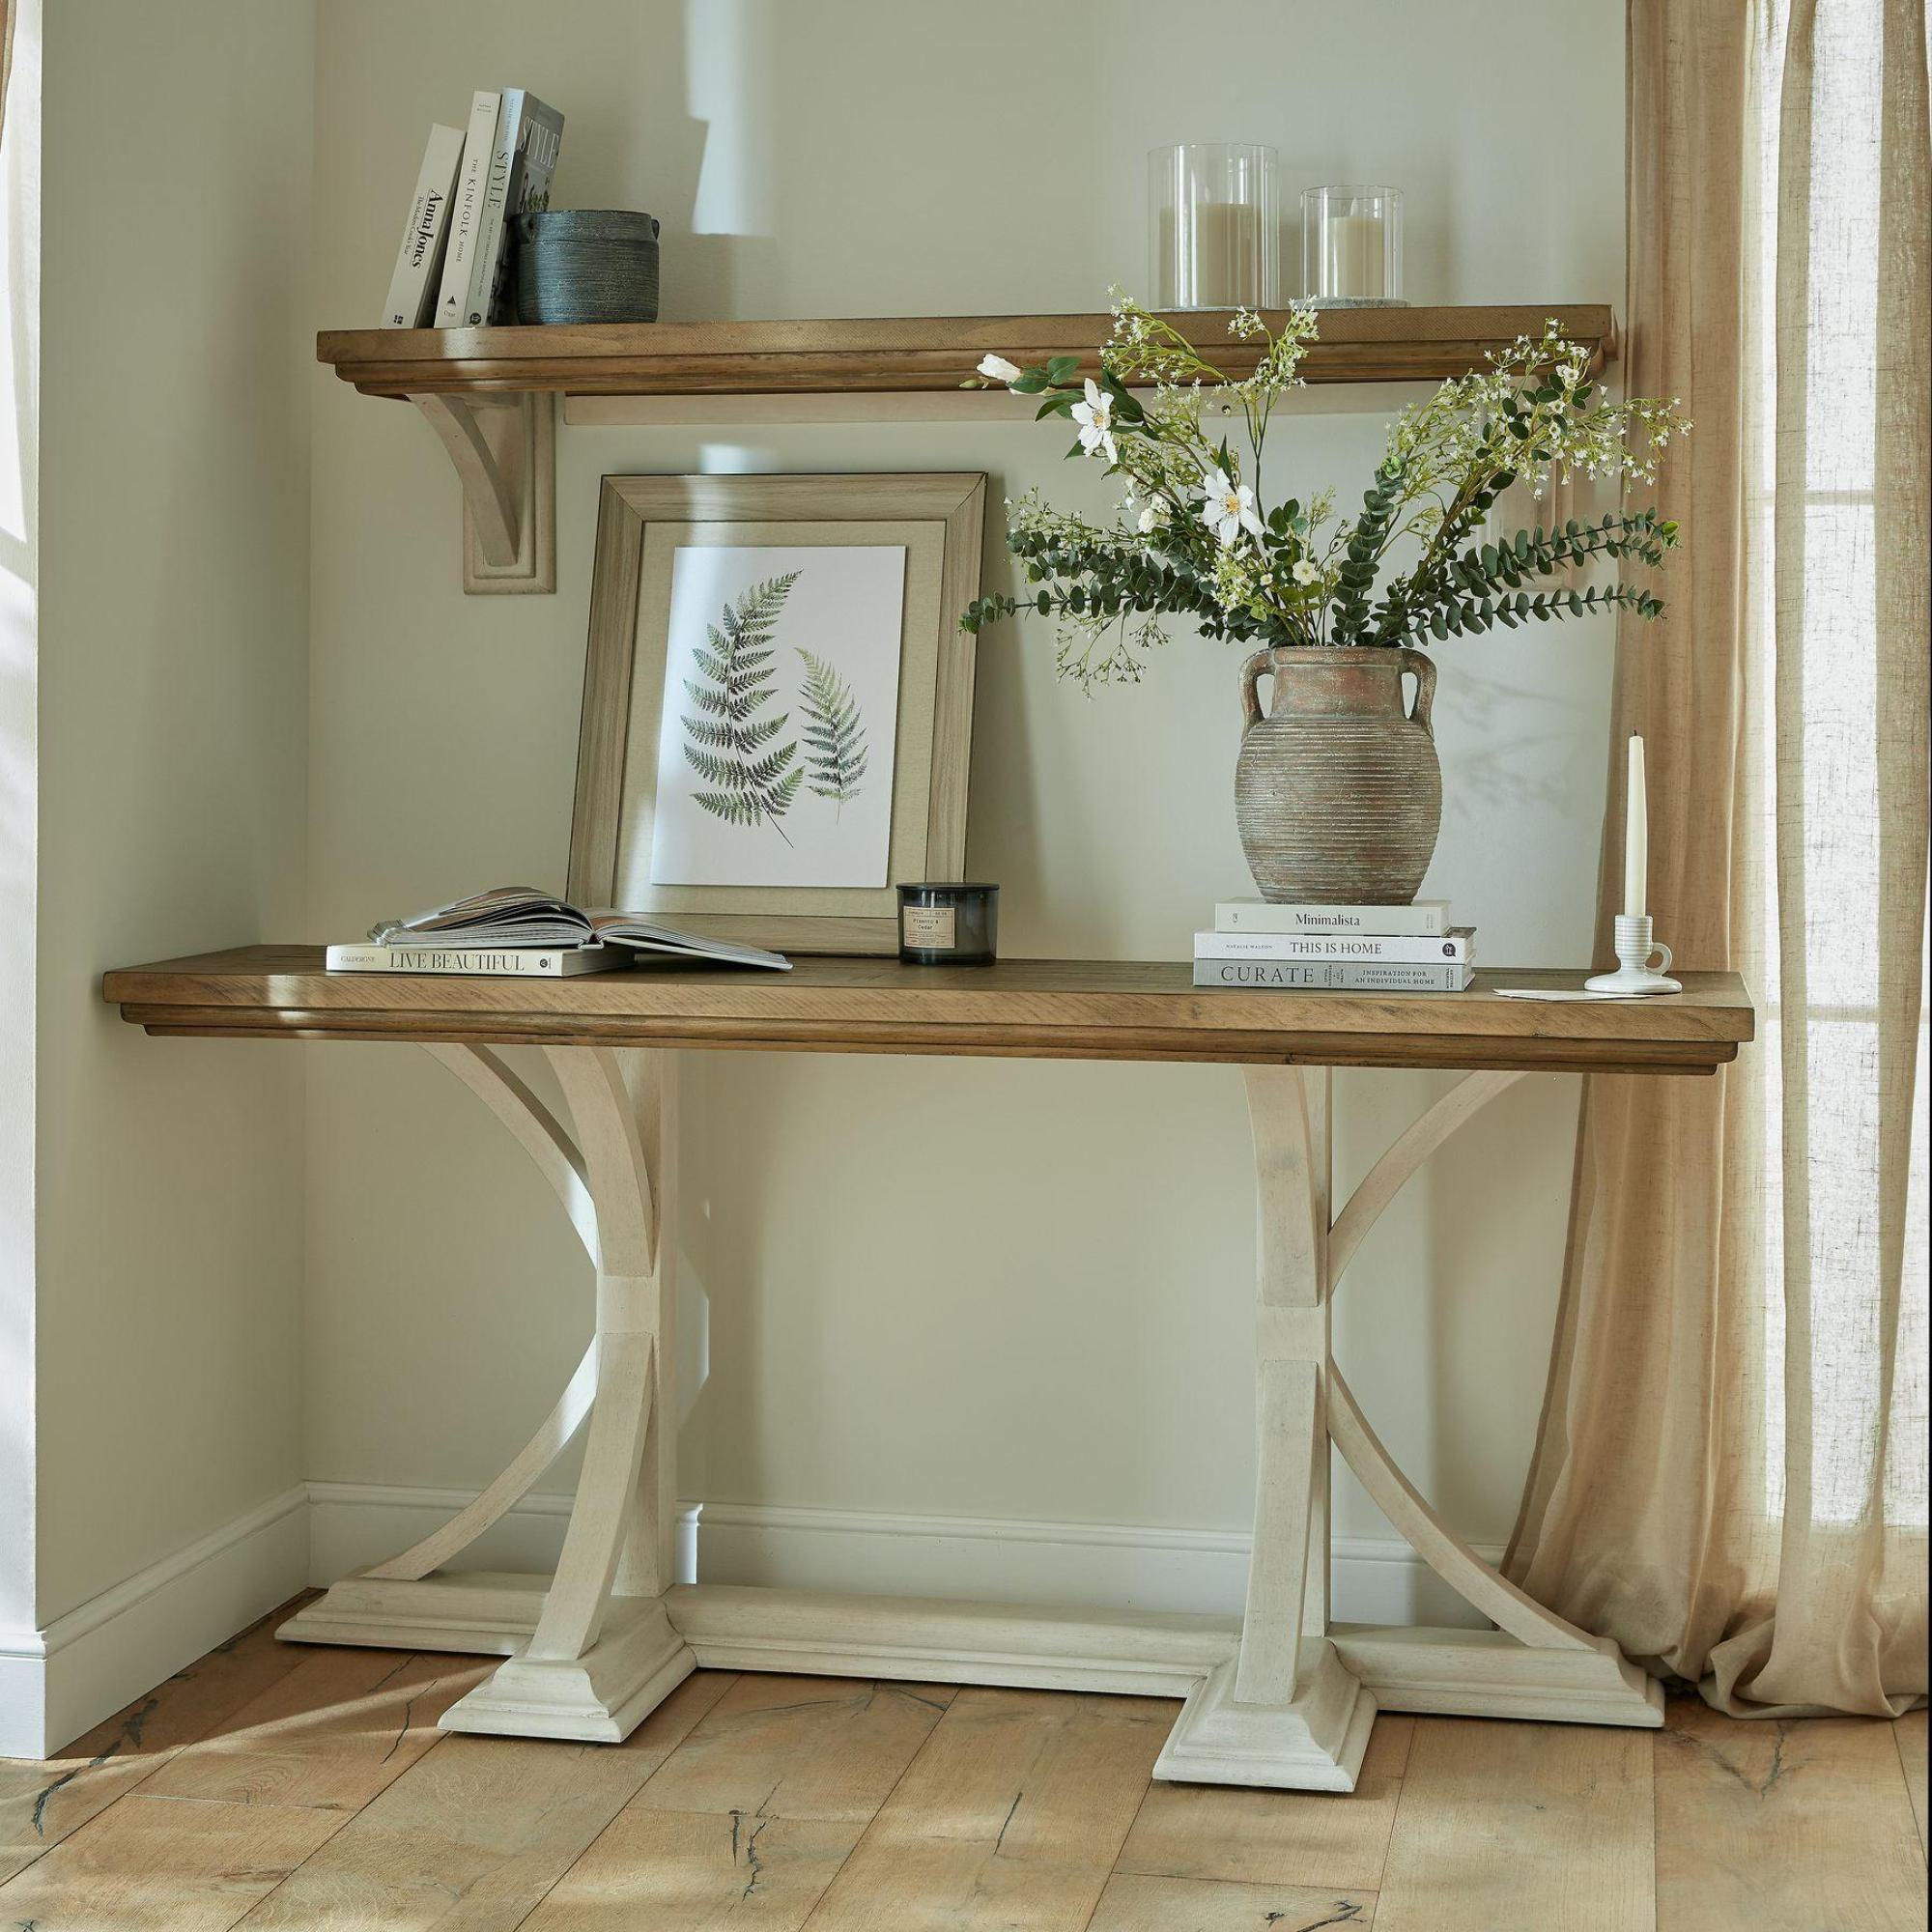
473, 180
419, 273
1332, 976
1425, 919
1457, 945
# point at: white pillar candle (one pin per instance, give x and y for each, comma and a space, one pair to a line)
1636, 836
1355, 245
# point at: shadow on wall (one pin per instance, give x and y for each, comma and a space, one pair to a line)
708, 100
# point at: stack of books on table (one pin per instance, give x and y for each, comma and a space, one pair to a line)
518, 931
1336, 949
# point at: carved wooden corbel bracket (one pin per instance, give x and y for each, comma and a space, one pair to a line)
505, 450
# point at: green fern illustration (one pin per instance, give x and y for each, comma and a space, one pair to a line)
834, 732
724, 744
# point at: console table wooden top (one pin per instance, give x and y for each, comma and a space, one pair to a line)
1028, 1009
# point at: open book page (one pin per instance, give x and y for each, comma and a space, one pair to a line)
649, 935
518, 916
503, 915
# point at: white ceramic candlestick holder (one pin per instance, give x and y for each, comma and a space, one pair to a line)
1634, 972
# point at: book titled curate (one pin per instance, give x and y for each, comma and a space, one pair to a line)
522, 932
1457, 944
1427, 919
1300, 975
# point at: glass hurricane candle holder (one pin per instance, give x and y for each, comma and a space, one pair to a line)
1213, 226
1352, 247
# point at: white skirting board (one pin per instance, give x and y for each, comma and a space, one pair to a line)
1125, 1566
61, 1681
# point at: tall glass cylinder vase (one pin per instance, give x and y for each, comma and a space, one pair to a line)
1352, 247
1213, 226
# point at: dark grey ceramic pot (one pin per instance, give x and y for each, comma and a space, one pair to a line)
586, 264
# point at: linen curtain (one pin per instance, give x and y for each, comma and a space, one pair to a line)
1730, 1474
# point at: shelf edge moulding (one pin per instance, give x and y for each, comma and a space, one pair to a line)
485, 391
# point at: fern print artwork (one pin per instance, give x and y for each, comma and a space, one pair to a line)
780, 719
727, 739
835, 733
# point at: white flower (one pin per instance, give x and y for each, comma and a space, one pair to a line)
1306, 571
1228, 508
1153, 514
1095, 417
999, 369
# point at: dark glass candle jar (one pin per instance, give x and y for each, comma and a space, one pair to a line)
949, 925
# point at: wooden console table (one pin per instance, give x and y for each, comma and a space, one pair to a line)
1279, 1697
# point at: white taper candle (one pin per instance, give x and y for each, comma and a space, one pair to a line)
1636, 836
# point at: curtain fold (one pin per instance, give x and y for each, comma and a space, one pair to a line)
1730, 1472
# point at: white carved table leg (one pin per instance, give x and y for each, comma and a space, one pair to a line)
1533, 1664
592, 1651
1285, 1698
1283, 1710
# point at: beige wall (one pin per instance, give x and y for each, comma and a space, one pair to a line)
20, 810
997, 1290
174, 485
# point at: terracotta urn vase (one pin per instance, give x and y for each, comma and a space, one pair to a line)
1338, 790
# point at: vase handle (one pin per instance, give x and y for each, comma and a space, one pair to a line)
1424, 667
1251, 704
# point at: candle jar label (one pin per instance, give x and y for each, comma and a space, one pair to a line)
931, 929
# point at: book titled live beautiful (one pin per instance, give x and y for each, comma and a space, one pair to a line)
520, 932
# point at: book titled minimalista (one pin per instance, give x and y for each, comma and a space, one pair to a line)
1426, 917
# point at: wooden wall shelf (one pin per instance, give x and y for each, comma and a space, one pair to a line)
739, 358
486, 391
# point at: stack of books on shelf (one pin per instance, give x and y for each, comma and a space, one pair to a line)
1336, 949
453, 268
518, 931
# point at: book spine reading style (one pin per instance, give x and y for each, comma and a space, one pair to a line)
418, 272
522, 160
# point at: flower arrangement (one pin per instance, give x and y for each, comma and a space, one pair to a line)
1194, 537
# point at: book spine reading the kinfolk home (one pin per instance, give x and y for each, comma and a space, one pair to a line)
529, 962
1425, 919
419, 273
1457, 944
465, 212
523, 160
1327, 976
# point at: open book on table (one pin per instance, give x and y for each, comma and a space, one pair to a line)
517, 929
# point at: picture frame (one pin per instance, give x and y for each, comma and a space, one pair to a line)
734, 771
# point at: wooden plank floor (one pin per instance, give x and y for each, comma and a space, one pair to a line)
270, 1785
